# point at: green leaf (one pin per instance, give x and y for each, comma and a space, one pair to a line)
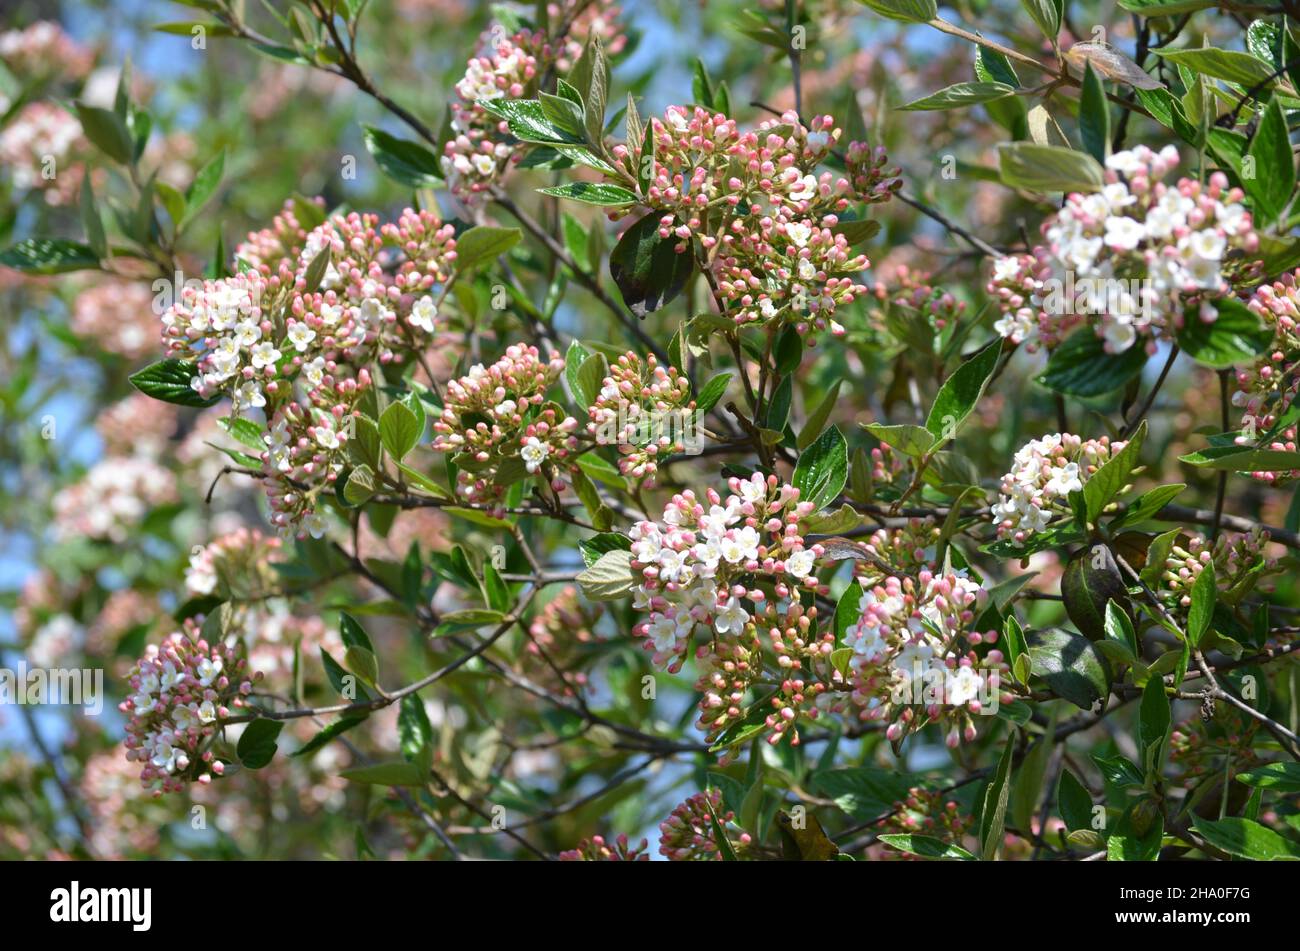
400, 773
257, 746
1147, 505
817, 418
363, 663
1153, 725
648, 271
405, 162
352, 633
589, 379
414, 730
610, 578
1106, 482
1081, 367
1046, 15
908, 439
1074, 801
823, 469
993, 816
1119, 629
205, 185
1200, 615
1243, 459
1119, 771
1284, 777
1236, 336
1094, 114
1229, 65
1274, 176
1091, 579
483, 243
908, 11
1048, 168
399, 429
959, 96
338, 727
926, 846
360, 485
719, 834
595, 546
107, 130
244, 430
528, 121
49, 256
169, 380
91, 221
711, 392
864, 792
1071, 665
1246, 839
960, 393
592, 193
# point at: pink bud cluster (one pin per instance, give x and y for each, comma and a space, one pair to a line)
237, 564
181, 691
599, 849
1036, 490
42, 48
687, 834
39, 151
644, 409
1240, 562
558, 634
498, 416
117, 315
906, 550
1146, 249
1267, 389
925, 812
767, 221
914, 654
912, 292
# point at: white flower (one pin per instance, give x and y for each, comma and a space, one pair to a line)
1208, 244
209, 670
1065, 479
663, 631
963, 685
422, 314
1006, 269
798, 232
804, 188
265, 355
207, 712
731, 619
534, 453
485, 165
801, 563
326, 437
1124, 233
301, 336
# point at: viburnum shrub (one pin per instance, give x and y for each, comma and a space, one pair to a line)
489, 431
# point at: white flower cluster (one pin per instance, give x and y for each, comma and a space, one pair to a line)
912, 648
1038, 487
112, 499
1138, 251
691, 563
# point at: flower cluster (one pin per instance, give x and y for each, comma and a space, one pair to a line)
1046, 471
112, 499
118, 316
598, 849
136, 426
925, 812
646, 411
1267, 389
1202, 747
1133, 255
38, 148
506, 66
905, 550
914, 294
497, 422
1239, 562
767, 221
556, 635
235, 565
181, 691
914, 653
295, 335
687, 834
42, 48
722, 571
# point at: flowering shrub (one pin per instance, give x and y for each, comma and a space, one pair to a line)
481, 482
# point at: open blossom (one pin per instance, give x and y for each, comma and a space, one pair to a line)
112, 499
1129, 259
497, 416
1267, 389
1037, 489
599, 849
646, 411
687, 835
715, 573
767, 219
181, 691
914, 649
